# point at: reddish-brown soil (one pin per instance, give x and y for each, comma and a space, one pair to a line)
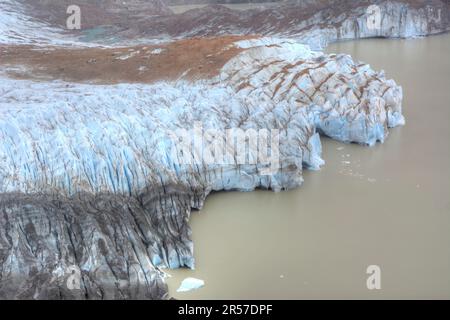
192, 59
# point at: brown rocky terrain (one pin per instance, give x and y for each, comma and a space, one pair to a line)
192, 59
317, 22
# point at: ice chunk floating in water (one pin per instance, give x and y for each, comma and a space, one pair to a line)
189, 284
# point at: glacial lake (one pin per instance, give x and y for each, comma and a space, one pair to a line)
387, 205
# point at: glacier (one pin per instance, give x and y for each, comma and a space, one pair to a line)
97, 184
90, 181
107, 126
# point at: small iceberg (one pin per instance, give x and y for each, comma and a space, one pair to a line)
189, 284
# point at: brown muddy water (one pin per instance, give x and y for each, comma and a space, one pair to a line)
387, 205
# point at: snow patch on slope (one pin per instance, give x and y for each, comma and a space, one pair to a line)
17, 28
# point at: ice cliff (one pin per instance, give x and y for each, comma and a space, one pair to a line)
93, 194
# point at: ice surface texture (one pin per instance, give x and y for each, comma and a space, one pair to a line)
89, 182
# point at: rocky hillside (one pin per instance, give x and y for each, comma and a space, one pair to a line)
312, 22
94, 12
